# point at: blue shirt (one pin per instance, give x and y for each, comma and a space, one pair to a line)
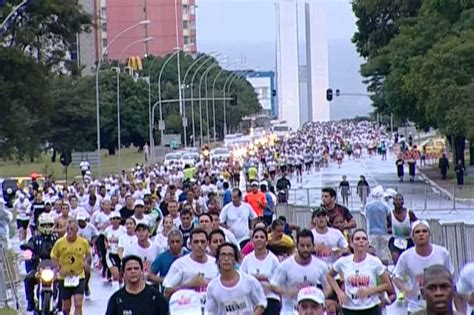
227, 197
162, 264
376, 213
182, 197
267, 210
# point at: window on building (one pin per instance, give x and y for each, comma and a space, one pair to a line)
104, 42
103, 11
185, 9
185, 25
104, 26
186, 40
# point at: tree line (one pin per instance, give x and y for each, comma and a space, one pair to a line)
47, 104
419, 63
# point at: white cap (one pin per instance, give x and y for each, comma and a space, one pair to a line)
418, 222
139, 202
264, 183
114, 214
311, 293
255, 183
81, 216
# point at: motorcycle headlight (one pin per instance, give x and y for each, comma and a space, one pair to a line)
47, 275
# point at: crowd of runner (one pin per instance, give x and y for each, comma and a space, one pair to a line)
207, 235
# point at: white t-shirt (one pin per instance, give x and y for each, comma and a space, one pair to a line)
112, 236
126, 241
101, 221
184, 269
332, 239
161, 242
147, 254
89, 232
412, 265
290, 274
237, 219
253, 266
242, 298
230, 237
465, 284
145, 220
23, 209
358, 275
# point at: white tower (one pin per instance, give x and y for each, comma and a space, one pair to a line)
317, 58
288, 93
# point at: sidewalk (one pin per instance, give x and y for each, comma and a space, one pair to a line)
449, 187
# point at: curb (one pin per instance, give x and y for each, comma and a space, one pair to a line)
433, 184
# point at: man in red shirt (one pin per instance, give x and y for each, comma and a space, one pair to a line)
256, 199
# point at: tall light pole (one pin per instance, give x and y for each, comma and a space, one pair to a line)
204, 76
97, 92
184, 91
183, 117
119, 144
192, 95
214, 97
161, 124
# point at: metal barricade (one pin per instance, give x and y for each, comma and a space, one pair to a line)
454, 236
437, 232
469, 241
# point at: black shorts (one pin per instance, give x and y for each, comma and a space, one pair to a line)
393, 248
299, 167
273, 307
113, 260
22, 224
67, 293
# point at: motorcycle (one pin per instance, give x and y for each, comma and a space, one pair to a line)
46, 293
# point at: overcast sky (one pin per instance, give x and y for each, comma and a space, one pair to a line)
246, 30
246, 27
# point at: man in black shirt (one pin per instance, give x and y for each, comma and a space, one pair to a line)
136, 297
328, 197
128, 210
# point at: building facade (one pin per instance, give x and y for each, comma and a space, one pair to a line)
317, 61
288, 94
172, 24
263, 83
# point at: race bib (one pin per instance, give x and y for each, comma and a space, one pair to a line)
401, 243
71, 281
237, 307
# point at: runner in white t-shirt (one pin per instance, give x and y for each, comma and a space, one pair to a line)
329, 243
465, 287
193, 271
235, 216
299, 271
261, 263
127, 239
233, 292
112, 235
414, 261
361, 273
143, 248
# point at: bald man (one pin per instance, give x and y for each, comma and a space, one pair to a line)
438, 291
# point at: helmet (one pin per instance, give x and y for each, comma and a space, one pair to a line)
45, 224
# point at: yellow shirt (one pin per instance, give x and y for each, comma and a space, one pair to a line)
71, 255
252, 173
285, 240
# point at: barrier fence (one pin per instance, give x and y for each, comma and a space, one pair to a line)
417, 198
457, 237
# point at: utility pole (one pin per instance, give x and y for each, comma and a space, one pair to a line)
145, 17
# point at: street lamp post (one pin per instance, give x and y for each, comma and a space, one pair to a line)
192, 96
161, 123
119, 144
184, 91
204, 76
180, 95
97, 92
214, 98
